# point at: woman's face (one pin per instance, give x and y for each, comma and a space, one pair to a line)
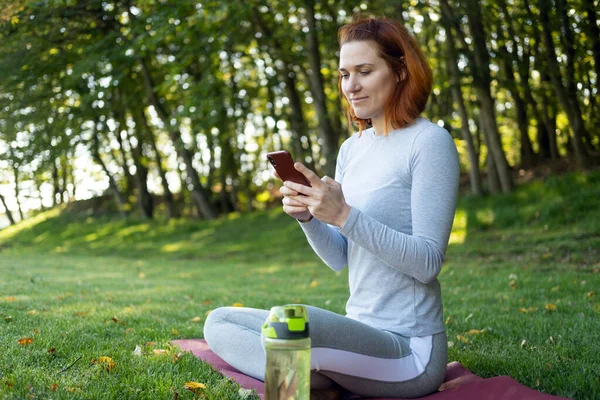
367, 80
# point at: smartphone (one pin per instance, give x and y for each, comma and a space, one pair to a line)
283, 163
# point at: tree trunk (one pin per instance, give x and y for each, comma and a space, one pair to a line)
593, 37
492, 177
328, 136
571, 106
549, 118
144, 198
7, 211
142, 122
38, 188
297, 123
199, 195
72, 176
17, 191
482, 81
122, 152
55, 184
455, 87
112, 186
526, 149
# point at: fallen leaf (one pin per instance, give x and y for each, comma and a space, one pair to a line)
238, 305
137, 351
527, 310
245, 393
142, 275
314, 284
590, 294
513, 284
469, 317
463, 339
159, 352
25, 341
106, 362
51, 350
196, 319
555, 289
81, 313
175, 332
11, 298
523, 343
32, 312
450, 344
476, 331
194, 387
54, 387
114, 319
207, 302
550, 307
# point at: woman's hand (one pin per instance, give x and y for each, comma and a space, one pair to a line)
293, 208
324, 200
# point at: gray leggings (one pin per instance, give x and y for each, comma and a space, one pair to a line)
362, 359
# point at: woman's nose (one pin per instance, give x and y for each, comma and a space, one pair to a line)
353, 84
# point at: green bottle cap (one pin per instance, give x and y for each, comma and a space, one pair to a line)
286, 322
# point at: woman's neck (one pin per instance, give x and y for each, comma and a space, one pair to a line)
379, 126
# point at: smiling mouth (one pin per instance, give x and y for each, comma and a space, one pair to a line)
358, 100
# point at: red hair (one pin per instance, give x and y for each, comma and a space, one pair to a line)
400, 50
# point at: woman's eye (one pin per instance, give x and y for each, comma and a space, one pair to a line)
343, 76
365, 72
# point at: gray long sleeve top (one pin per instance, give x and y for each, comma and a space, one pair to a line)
402, 190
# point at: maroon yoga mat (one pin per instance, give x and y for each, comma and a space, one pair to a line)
460, 383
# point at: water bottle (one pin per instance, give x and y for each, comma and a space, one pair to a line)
287, 344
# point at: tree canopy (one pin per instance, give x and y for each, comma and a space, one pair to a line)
172, 105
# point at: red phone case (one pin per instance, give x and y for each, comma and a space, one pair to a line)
283, 163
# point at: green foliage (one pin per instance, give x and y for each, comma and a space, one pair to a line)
223, 72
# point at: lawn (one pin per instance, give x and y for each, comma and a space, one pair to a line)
88, 305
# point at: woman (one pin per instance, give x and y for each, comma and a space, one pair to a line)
387, 216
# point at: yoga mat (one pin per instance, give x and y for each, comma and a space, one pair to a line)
459, 384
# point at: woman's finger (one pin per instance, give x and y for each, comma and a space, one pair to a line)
305, 200
286, 191
291, 201
294, 209
329, 181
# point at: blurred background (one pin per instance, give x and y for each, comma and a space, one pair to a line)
166, 109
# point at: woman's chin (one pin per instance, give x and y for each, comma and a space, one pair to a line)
362, 115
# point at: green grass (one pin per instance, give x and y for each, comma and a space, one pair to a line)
84, 288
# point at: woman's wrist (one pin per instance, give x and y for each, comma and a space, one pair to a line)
310, 217
344, 216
